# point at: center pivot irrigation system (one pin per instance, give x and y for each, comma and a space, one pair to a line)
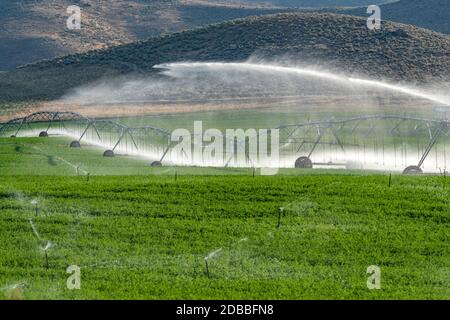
382, 141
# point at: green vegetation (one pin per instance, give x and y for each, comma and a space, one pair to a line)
146, 236
53, 157
38, 156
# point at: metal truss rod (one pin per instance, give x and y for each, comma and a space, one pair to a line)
436, 135
120, 139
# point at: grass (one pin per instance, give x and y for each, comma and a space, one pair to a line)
145, 236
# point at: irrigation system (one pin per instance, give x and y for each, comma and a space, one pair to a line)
408, 143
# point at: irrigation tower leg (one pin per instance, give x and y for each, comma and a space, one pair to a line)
20, 127
434, 137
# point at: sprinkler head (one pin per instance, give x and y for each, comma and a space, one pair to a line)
36, 209
207, 268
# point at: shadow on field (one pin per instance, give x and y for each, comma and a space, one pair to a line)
50, 158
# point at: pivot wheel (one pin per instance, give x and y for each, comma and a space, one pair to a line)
43, 134
108, 153
156, 164
303, 162
412, 170
75, 144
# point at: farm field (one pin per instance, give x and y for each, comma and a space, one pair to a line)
52, 157
270, 117
238, 157
143, 233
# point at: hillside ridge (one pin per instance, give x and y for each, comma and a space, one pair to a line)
397, 52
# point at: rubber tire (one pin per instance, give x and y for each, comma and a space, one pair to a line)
75, 144
412, 170
108, 153
304, 163
156, 164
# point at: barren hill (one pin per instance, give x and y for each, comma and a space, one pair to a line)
397, 52
292, 3
36, 29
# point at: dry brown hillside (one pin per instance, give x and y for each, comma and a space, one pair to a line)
36, 29
397, 52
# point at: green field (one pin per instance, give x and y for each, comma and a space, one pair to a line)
142, 232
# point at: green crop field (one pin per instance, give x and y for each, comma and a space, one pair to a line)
141, 232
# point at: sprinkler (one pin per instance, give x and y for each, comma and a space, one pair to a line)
179, 67
206, 266
36, 208
390, 179
280, 212
88, 175
45, 249
210, 256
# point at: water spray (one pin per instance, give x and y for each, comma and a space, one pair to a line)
33, 227
45, 248
172, 69
208, 257
14, 292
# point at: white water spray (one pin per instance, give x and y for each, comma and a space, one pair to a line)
213, 254
47, 246
33, 227
177, 69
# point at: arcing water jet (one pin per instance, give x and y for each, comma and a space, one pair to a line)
179, 68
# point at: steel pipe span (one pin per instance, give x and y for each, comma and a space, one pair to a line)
312, 143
